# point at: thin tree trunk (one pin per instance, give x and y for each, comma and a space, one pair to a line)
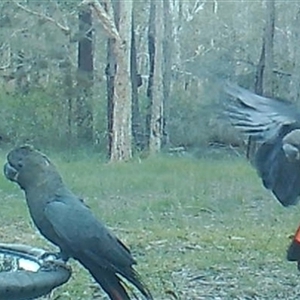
84, 122
167, 67
156, 124
136, 82
295, 80
113, 10
110, 80
177, 18
269, 48
264, 70
258, 87
151, 52
66, 68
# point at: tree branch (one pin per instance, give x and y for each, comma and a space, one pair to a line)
107, 6
106, 20
65, 29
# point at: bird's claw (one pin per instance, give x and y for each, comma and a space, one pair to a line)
53, 264
48, 256
52, 260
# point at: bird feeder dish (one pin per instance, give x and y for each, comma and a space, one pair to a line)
28, 273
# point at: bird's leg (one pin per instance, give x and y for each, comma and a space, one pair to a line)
51, 264
55, 259
55, 256
63, 256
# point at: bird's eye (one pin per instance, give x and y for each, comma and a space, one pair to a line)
20, 165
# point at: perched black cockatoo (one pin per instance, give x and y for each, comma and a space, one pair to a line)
275, 125
67, 222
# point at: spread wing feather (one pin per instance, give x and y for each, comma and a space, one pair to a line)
268, 121
258, 116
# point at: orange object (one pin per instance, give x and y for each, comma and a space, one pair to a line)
293, 252
297, 235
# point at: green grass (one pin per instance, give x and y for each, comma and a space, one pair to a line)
204, 219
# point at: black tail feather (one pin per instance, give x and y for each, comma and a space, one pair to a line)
112, 284
133, 277
109, 281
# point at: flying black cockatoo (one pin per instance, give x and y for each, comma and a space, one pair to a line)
67, 222
275, 125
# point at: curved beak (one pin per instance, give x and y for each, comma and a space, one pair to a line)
10, 172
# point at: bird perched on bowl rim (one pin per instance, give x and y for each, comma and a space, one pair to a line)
63, 218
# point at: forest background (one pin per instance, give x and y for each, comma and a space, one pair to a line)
67, 82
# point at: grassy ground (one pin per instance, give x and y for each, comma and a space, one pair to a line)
199, 228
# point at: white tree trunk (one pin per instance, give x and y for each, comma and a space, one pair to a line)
121, 145
121, 139
156, 125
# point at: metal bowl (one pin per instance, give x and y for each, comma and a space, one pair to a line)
28, 273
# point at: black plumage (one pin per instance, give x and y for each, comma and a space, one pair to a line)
68, 223
275, 126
